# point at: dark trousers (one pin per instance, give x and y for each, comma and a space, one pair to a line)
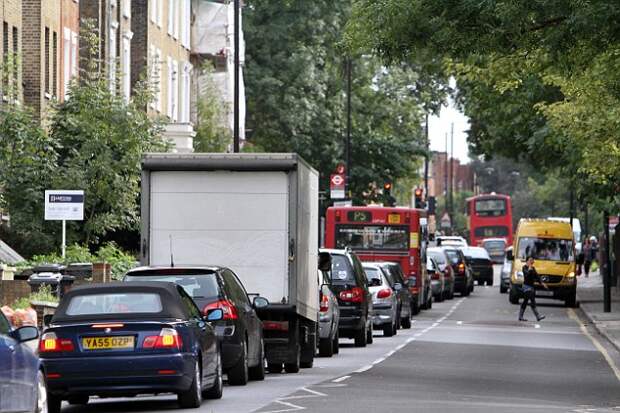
586, 267
529, 296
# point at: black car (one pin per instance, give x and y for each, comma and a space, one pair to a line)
481, 264
394, 274
463, 279
350, 285
121, 340
240, 332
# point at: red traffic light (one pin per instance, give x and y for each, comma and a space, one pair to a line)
418, 192
387, 186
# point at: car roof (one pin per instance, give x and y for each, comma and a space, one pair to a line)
172, 306
147, 268
335, 251
494, 239
476, 252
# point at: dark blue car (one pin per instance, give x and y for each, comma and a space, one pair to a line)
22, 385
119, 340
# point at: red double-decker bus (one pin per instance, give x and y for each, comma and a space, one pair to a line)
490, 216
393, 234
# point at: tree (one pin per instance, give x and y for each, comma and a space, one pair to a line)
212, 135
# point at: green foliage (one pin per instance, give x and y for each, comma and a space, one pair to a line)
43, 294
120, 261
212, 135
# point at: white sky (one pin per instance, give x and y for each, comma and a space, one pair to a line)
439, 126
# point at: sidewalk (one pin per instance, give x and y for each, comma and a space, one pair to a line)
590, 298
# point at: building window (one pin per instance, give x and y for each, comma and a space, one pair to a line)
74, 54
187, 23
184, 99
15, 62
66, 59
157, 8
55, 63
171, 13
156, 77
112, 53
178, 7
126, 67
127, 8
173, 89
47, 60
5, 57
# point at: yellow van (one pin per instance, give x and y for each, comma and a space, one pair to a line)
552, 246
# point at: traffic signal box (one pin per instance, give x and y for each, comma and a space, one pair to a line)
419, 200
389, 200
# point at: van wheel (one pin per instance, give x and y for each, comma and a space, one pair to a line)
360, 337
571, 301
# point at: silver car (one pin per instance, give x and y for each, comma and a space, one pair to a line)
504, 281
438, 284
329, 317
384, 300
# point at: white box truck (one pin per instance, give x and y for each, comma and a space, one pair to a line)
256, 214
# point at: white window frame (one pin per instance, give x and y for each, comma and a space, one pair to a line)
171, 17
75, 50
154, 9
186, 23
173, 89
126, 8
126, 65
66, 59
112, 53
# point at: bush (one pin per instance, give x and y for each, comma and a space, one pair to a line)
119, 260
44, 294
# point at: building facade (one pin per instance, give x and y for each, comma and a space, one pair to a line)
11, 43
440, 173
160, 50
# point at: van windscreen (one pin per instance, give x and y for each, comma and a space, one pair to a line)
546, 249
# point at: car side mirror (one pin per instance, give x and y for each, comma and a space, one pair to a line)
47, 319
215, 314
398, 286
510, 256
325, 261
26, 333
260, 302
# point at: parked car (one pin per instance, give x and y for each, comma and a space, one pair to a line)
350, 285
329, 311
384, 300
127, 339
504, 281
394, 274
239, 332
463, 279
21, 377
480, 263
443, 240
440, 257
437, 279
496, 248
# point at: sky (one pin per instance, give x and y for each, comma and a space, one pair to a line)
439, 126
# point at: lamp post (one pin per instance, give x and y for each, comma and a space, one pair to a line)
236, 79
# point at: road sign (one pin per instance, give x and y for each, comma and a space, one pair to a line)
64, 205
337, 186
445, 220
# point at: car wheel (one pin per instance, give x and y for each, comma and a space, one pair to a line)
41, 395
215, 392
490, 283
326, 347
258, 372
439, 297
429, 303
294, 366
78, 400
502, 289
406, 322
360, 337
336, 343
238, 374
53, 403
369, 337
274, 368
388, 330
192, 397
415, 309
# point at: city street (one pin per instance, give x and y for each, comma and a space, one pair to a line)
465, 354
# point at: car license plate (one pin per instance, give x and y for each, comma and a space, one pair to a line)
545, 293
108, 343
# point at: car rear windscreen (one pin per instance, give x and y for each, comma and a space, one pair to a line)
453, 256
341, 269
438, 256
372, 272
114, 303
195, 285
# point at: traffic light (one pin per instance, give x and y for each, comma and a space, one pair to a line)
387, 194
387, 188
432, 205
419, 202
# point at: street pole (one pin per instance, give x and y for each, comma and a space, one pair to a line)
348, 137
572, 205
236, 87
586, 218
451, 178
426, 160
606, 265
64, 239
446, 178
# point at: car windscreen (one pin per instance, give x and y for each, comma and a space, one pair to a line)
453, 256
203, 286
546, 249
114, 303
373, 237
341, 270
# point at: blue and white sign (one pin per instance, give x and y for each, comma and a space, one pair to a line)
64, 205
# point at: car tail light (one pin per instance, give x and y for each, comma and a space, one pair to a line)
275, 325
435, 275
461, 268
167, 338
324, 303
50, 343
385, 293
414, 290
354, 295
229, 309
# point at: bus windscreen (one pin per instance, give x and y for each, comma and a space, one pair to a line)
490, 207
373, 237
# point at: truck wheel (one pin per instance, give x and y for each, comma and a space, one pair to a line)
258, 372
274, 368
406, 322
238, 374
360, 337
294, 366
336, 343
326, 347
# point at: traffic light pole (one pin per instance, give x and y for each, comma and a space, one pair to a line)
426, 160
348, 138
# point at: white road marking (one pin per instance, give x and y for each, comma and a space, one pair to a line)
536, 325
379, 360
339, 379
459, 323
363, 369
293, 407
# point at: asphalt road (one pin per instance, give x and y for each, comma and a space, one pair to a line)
465, 355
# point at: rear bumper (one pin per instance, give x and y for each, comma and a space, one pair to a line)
436, 287
485, 274
382, 316
120, 375
325, 327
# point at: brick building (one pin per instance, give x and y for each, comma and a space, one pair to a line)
462, 175
11, 43
50, 30
160, 48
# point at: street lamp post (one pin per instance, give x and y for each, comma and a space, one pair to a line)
236, 79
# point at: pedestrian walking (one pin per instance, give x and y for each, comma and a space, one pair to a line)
587, 257
530, 276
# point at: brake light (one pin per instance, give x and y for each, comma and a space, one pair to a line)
461, 268
435, 275
385, 293
228, 308
275, 325
167, 338
324, 303
354, 295
50, 343
114, 325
